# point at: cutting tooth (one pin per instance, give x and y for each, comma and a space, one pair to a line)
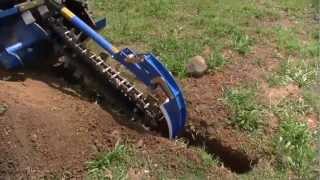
139, 95
115, 75
106, 69
123, 81
130, 89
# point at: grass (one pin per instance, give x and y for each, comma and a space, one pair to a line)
295, 143
288, 41
301, 72
242, 42
247, 114
111, 165
120, 161
216, 61
179, 30
294, 148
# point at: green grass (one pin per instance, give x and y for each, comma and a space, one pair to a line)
111, 165
295, 143
179, 30
247, 114
242, 42
216, 61
294, 148
301, 72
117, 163
288, 41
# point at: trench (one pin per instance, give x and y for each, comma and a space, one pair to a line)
235, 160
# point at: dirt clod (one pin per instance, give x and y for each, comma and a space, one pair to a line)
197, 66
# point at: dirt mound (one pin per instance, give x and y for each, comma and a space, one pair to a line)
46, 130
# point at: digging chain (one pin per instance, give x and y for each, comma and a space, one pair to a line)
145, 103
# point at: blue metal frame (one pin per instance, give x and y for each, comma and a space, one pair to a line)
19, 42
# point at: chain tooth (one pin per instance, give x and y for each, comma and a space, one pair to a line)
115, 75
106, 69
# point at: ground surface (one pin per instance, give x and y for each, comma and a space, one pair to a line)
254, 115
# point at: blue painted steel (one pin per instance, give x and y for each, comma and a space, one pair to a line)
100, 24
147, 70
105, 44
19, 43
8, 12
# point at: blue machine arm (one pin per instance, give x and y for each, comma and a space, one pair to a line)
147, 69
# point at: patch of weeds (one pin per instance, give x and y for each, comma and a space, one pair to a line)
216, 61
241, 42
208, 159
159, 8
264, 171
175, 52
295, 7
246, 112
312, 97
293, 147
111, 165
288, 41
294, 143
301, 72
312, 50
292, 108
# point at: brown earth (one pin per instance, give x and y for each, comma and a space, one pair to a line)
48, 130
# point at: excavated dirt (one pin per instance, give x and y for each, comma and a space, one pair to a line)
49, 130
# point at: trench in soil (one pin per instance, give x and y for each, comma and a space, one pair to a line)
235, 160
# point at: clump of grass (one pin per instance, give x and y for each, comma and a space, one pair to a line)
288, 41
312, 50
115, 161
294, 142
175, 52
159, 8
216, 61
312, 97
246, 112
208, 159
241, 42
292, 108
294, 147
302, 72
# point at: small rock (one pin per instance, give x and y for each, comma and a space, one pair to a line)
3, 109
197, 66
140, 143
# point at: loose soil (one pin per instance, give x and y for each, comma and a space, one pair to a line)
49, 130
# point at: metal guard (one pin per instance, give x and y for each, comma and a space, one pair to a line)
147, 70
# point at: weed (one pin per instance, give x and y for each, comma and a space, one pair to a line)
111, 165
208, 159
292, 108
294, 141
312, 50
302, 72
247, 113
287, 41
312, 98
241, 42
216, 61
294, 147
